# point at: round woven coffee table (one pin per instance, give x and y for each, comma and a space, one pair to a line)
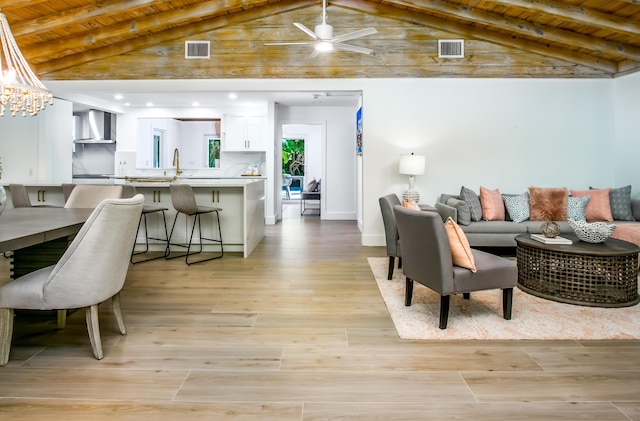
598, 275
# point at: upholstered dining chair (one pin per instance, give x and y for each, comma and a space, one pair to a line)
427, 259
90, 195
184, 201
20, 197
391, 231
129, 190
92, 270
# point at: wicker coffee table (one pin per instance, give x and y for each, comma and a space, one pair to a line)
598, 275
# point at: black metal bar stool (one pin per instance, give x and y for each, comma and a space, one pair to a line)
184, 201
130, 191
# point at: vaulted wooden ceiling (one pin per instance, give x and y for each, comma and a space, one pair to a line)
144, 39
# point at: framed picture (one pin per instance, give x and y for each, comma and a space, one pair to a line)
359, 131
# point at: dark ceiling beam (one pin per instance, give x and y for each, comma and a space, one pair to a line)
79, 14
254, 11
578, 14
414, 16
523, 27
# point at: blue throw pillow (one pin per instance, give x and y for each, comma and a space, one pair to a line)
517, 206
576, 207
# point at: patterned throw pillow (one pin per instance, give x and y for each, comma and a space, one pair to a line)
576, 207
473, 200
517, 206
620, 202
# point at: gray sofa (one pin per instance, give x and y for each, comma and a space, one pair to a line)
502, 233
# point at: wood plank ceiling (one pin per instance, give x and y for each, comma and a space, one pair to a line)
144, 39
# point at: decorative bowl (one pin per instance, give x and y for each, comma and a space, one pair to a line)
592, 232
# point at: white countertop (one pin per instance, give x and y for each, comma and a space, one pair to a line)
195, 182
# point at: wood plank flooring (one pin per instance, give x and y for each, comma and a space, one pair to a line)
297, 331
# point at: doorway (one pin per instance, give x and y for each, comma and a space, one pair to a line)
301, 163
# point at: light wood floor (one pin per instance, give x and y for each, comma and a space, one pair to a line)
298, 331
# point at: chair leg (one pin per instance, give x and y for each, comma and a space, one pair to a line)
507, 300
147, 238
117, 312
392, 262
62, 319
6, 332
196, 220
466, 295
444, 311
408, 293
399, 262
93, 328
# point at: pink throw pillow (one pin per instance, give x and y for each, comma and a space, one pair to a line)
492, 204
598, 207
460, 249
410, 204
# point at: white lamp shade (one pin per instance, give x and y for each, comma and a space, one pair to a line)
412, 164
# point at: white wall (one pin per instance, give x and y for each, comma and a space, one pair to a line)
627, 131
338, 157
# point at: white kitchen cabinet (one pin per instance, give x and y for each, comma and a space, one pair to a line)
243, 133
156, 196
231, 201
45, 195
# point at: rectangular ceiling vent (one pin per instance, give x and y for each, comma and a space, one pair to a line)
451, 48
197, 49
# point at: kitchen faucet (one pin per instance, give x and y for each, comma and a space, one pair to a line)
176, 161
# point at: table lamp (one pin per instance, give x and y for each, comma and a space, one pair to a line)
411, 165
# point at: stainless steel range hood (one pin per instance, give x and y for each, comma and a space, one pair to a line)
95, 126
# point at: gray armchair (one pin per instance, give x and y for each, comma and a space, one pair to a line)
427, 260
92, 270
390, 231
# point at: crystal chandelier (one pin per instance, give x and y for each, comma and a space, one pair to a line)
20, 89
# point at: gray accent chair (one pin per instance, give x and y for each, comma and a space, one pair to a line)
130, 191
90, 196
391, 231
92, 270
427, 260
184, 201
67, 188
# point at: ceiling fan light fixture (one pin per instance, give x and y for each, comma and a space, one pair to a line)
323, 46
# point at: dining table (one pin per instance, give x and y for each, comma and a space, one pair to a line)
38, 236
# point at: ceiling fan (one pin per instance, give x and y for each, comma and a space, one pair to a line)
323, 39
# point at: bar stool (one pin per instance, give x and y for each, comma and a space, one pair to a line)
130, 191
184, 201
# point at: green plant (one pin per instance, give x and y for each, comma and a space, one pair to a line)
293, 156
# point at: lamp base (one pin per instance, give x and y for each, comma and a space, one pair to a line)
411, 193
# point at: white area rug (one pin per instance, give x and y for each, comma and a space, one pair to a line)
481, 316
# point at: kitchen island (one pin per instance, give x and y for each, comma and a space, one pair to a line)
242, 201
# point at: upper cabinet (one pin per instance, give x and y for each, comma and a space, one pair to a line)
243, 133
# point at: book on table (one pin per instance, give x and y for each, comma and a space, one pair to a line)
552, 240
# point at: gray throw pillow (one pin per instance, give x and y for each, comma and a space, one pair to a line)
473, 200
517, 206
620, 202
576, 207
464, 212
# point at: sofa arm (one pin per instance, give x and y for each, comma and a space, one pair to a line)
446, 211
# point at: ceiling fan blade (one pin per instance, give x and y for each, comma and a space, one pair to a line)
354, 34
352, 48
306, 30
314, 53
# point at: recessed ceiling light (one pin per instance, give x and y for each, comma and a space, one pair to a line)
149, 104
233, 96
126, 104
196, 104
118, 96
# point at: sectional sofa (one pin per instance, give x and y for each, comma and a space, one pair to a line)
494, 219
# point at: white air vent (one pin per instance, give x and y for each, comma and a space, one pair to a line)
196, 49
451, 48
